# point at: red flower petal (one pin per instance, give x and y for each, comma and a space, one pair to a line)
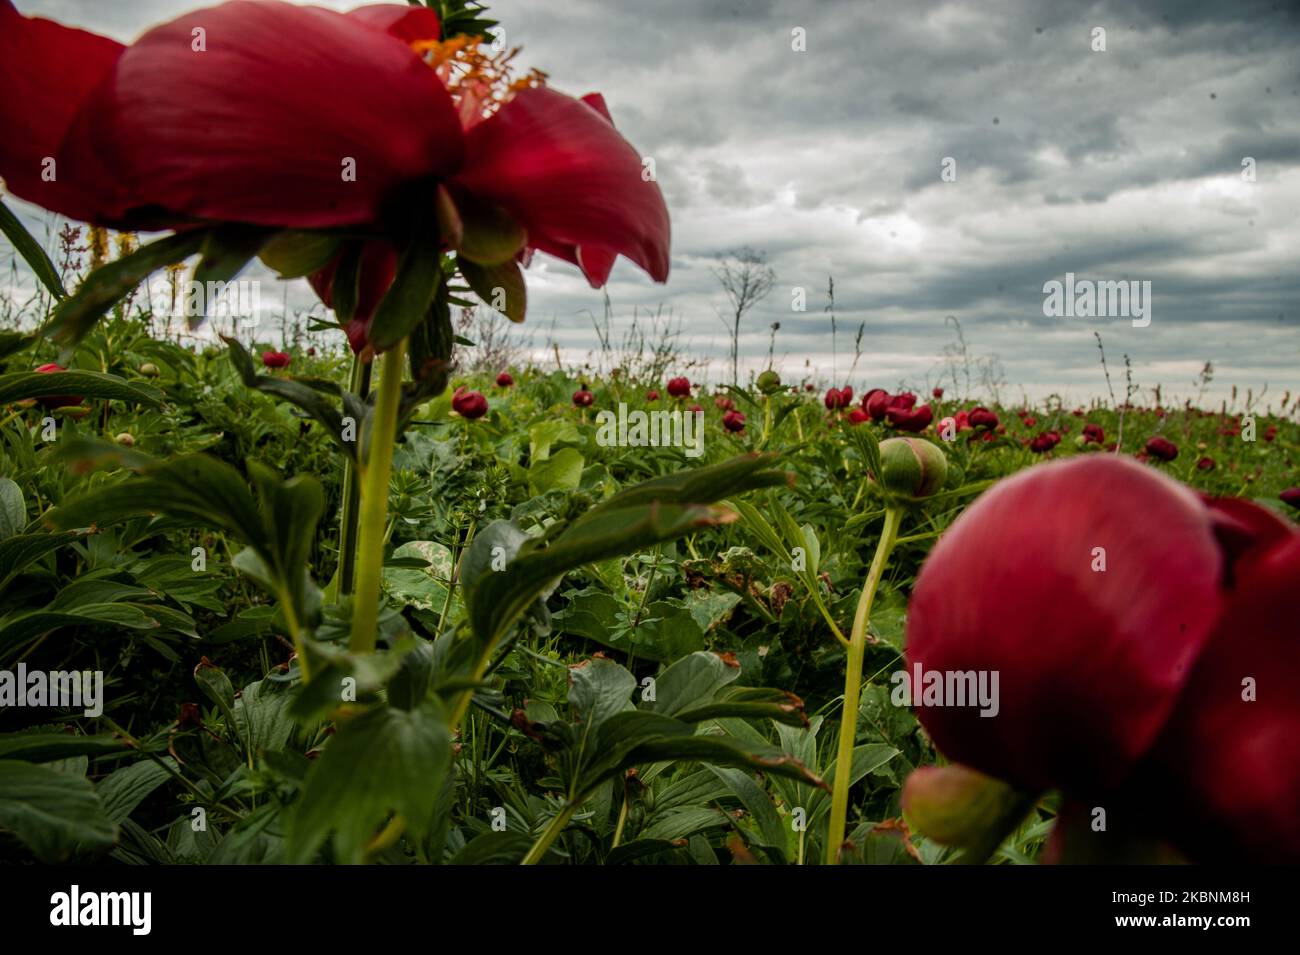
1227, 768
561, 169
260, 126
378, 268
47, 71
1090, 663
406, 23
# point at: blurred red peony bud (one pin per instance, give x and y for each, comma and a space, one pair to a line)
469, 404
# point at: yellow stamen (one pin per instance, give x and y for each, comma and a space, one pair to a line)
479, 78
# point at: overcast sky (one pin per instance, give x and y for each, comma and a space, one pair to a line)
1122, 164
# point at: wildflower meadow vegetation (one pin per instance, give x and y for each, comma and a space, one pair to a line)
375, 592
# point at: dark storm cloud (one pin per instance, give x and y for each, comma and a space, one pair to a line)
1118, 164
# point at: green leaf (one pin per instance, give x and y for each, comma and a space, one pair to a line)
89, 384
293, 254
13, 512
46, 747
384, 761
27, 246
109, 284
23, 627
599, 688
122, 790
309, 397
692, 680
500, 287
20, 552
560, 471
658, 510
489, 234
223, 255
405, 304
194, 486
56, 815
771, 831
14, 342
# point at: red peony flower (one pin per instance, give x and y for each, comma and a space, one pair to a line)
1094, 433
299, 98
936, 394
1135, 695
1205, 464
858, 416
583, 398
505, 380
679, 387
652, 395
837, 398
726, 404
469, 404
275, 359
56, 401
1042, 443
733, 421
901, 414
875, 402
1161, 449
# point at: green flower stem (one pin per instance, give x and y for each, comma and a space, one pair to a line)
551, 833
853, 687
360, 386
375, 473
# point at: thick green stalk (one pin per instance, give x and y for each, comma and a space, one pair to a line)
375, 473
853, 687
359, 386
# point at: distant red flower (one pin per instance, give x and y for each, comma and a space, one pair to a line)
505, 380
1094, 433
912, 419
1205, 464
1044, 442
962, 420
981, 417
1137, 699
697, 409
275, 359
837, 398
875, 402
56, 401
652, 395
936, 394
858, 416
810, 387
733, 421
583, 398
469, 404
1161, 449
1029, 421
1270, 432
725, 403
679, 387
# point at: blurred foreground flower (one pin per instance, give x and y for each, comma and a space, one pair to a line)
1147, 649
